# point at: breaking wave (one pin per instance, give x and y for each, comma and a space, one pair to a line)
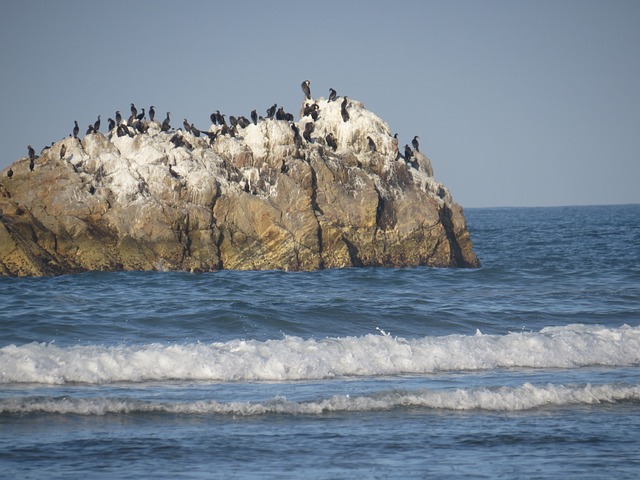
525, 397
294, 358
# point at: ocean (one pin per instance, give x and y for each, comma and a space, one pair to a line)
528, 367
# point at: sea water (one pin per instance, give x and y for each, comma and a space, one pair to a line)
528, 367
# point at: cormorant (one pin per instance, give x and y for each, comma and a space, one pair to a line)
76, 129
141, 116
343, 110
186, 126
372, 145
271, 111
233, 121
243, 122
280, 115
112, 124
89, 130
308, 129
306, 88
415, 143
331, 141
10, 172
96, 124
118, 117
165, 124
213, 118
134, 110
332, 95
63, 150
32, 152
152, 113
407, 153
194, 130
254, 117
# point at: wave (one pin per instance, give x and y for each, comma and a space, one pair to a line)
525, 397
294, 358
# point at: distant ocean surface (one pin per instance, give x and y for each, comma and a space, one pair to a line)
528, 367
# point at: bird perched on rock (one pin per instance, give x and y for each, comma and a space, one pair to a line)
118, 117
165, 124
63, 151
254, 117
331, 141
134, 111
141, 115
186, 126
306, 88
416, 145
152, 113
96, 125
343, 110
111, 124
76, 129
271, 111
332, 95
194, 130
10, 172
407, 153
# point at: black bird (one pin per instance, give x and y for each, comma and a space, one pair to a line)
141, 116
415, 143
221, 119
254, 117
314, 112
63, 150
32, 152
271, 111
332, 95
194, 130
297, 139
331, 141
118, 117
280, 115
112, 124
243, 122
306, 88
89, 130
343, 110
308, 129
152, 113
134, 111
10, 172
213, 118
372, 145
407, 153
76, 129
165, 124
122, 130
186, 126
96, 124
233, 121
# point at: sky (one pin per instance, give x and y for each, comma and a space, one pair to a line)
516, 103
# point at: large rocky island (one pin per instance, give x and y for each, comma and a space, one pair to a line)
331, 190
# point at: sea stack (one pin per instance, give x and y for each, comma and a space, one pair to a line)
255, 198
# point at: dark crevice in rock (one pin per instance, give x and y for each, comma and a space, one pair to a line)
317, 210
457, 257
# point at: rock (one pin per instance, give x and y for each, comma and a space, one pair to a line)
258, 200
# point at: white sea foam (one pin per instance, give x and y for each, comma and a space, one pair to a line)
525, 397
293, 358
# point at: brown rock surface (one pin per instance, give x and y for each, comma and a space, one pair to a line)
254, 201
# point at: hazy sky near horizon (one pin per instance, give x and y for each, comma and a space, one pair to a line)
517, 103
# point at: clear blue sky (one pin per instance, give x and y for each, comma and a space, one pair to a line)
516, 103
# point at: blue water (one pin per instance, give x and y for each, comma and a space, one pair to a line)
525, 368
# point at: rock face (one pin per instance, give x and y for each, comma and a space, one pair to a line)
262, 199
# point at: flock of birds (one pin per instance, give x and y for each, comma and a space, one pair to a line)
137, 123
